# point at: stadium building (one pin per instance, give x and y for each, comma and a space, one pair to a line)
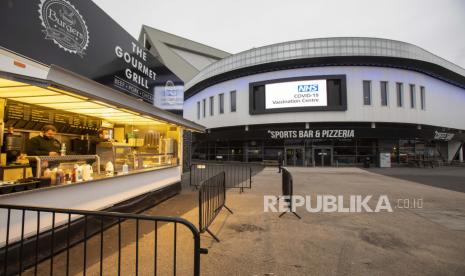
329, 102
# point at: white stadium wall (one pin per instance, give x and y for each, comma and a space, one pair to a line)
445, 103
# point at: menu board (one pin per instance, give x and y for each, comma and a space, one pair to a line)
79, 121
41, 116
93, 123
17, 111
63, 118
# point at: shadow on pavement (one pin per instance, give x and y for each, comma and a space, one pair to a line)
450, 178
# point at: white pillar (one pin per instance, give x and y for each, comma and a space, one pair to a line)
453, 147
461, 153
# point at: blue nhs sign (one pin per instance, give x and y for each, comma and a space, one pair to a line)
307, 88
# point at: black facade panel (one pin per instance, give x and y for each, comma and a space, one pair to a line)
81, 37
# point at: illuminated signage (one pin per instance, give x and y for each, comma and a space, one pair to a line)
312, 133
307, 88
169, 97
296, 94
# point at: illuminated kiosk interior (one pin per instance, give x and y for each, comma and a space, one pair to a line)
146, 151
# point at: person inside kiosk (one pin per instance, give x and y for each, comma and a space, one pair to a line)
44, 144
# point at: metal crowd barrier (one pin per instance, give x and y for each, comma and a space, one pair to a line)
236, 175
212, 199
38, 241
288, 191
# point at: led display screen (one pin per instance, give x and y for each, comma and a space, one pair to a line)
302, 93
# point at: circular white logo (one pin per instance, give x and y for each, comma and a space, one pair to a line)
64, 25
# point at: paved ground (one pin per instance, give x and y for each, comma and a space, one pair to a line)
426, 241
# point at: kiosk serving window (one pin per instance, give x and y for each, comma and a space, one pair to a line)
97, 139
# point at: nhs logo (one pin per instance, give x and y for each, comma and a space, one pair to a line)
307, 88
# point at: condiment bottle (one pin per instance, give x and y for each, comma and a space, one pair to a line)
109, 169
63, 149
78, 173
91, 173
60, 176
47, 172
136, 160
73, 175
53, 177
68, 177
125, 168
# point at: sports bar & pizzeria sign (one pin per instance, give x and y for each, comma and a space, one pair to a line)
311, 133
79, 36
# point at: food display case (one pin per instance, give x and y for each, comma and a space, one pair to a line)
168, 145
162, 152
116, 153
150, 160
41, 161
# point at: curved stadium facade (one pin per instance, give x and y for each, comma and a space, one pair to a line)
330, 101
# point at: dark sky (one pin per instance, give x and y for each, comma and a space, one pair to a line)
437, 26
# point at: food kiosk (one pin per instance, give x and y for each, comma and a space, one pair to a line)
69, 64
144, 152
146, 157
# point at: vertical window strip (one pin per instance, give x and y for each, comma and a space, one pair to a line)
212, 105
233, 101
422, 98
400, 94
221, 103
366, 92
412, 96
384, 93
204, 108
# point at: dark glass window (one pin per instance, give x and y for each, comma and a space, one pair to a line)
384, 93
422, 98
221, 103
198, 110
400, 94
204, 108
367, 92
412, 96
233, 101
212, 102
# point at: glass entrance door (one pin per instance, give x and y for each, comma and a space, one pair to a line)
295, 156
323, 156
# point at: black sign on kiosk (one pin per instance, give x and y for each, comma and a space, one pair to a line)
81, 37
33, 117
